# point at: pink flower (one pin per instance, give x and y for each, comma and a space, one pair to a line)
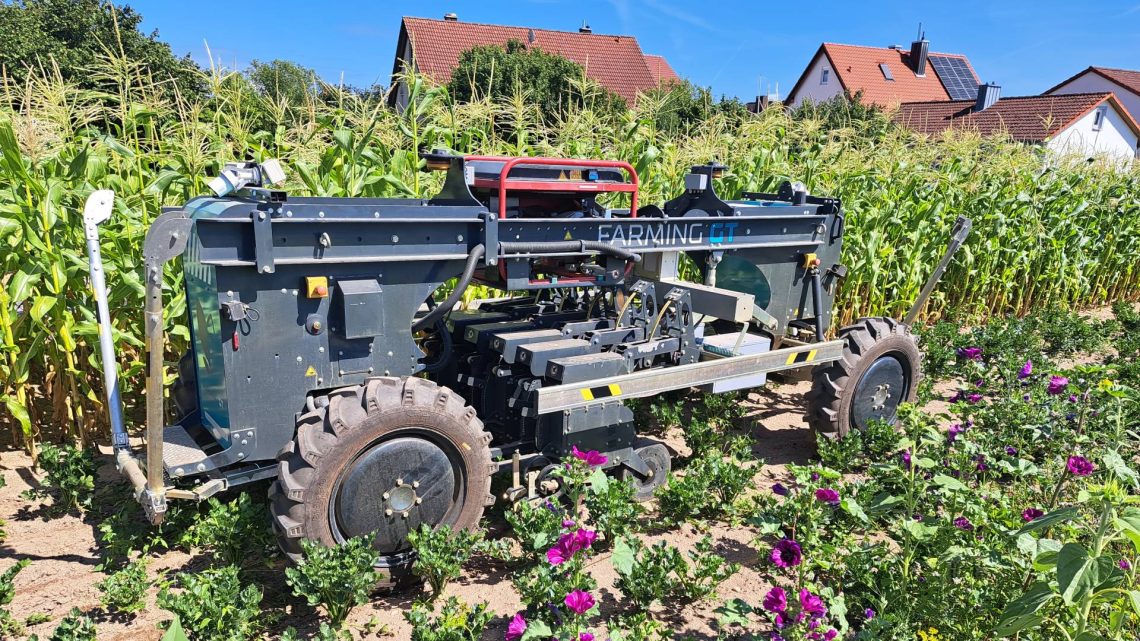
585, 636
593, 458
1057, 385
776, 600
1080, 466
569, 544
579, 601
827, 495
583, 539
970, 353
1123, 564
972, 399
786, 554
1026, 370
557, 555
812, 604
830, 634
1031, 513
516, 627
963, 523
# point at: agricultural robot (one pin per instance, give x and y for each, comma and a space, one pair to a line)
323, 356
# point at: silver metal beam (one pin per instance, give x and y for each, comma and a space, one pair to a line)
654, 381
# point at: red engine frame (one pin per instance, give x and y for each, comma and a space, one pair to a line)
504, 182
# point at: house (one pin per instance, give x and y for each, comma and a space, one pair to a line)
1122, 82
886, 76
617, 63
1086, 124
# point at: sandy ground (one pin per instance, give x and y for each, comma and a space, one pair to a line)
63, 551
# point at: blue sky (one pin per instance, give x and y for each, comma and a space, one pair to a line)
738, 48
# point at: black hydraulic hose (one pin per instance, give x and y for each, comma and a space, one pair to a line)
569, 246
817, 303
446, 306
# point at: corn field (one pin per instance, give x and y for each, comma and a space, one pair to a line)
1045, 232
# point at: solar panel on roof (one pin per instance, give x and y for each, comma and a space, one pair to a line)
956, 77
886, 71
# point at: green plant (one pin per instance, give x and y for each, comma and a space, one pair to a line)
76, 626
125, 590
8, 623
233, 532
69, 473
708, 489
337, 578
650, 574
213, 605
611, 507
441, 553
456, 621
536, 527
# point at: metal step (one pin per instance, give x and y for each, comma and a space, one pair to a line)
537, 355
181, 455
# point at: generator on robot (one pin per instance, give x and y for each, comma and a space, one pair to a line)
326, 354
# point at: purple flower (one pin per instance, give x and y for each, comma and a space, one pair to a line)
981, 463
579, 601
815, 476
1057, 385
786, 554
593, 458
954, 431
775, 636
963, 523
569, 544
776, 600
568, 524
780, 622
584, 538
1072, 398
516, 627
906, 459
970, 353
557, 555
974, 398
585, 636
1123, 564
1031, 513
1025, 397
1026, 370
827, 495
779, 489
1079, 466
869, 614
959, 395
812, 604
830, 634
1011, 450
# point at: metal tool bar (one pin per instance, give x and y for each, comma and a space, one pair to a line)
957, 238
654, 381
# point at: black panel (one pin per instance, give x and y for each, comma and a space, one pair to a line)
956, 77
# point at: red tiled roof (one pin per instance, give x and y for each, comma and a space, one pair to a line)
615, 62
857, 69
1126, 78
659, 67
1025, 118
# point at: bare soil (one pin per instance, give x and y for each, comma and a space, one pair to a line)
64, 551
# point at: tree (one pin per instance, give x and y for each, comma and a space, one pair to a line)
283, 81
546, 79
678, 106
76, 35
846, 111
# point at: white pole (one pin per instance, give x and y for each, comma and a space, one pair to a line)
96, 210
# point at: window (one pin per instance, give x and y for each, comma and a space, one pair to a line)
886, 71
1098, 118
823, 76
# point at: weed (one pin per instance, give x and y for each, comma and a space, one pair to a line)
655, 573
337, 578
213, 605
233, 531
441, 553
709, 488
8, 623
125, 590
457, 621
76, 626
611, 508
69, 477
536, 527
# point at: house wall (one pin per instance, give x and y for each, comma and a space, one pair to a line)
1090, 82
402, 88
1115, 138
811, 89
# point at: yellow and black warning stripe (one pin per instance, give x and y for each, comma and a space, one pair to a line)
801, 357
605, 391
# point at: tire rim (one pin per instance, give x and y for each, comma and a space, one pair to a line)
880, 390
400, 481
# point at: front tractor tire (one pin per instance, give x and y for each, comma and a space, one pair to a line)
380, 459
880, 369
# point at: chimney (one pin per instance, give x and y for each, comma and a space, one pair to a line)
918, 51
451, 17
585, 28
988, 95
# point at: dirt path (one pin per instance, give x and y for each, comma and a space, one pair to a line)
64, 553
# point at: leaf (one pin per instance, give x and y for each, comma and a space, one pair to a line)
41, 305
852, 507
949, 483
537, 630
623, 557
1021, 613
175, 632
734, 612
599, 481
1129, 523
884, 503
1048, 520
917, 530
1134, 599
20, 413
1115, 464
1077, 572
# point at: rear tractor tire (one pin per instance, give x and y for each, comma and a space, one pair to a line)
381, 459
880, 368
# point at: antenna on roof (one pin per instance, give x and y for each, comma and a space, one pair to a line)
921, 35
585, 28
530, 36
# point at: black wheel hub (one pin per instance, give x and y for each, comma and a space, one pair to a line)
879, 391
396, 485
